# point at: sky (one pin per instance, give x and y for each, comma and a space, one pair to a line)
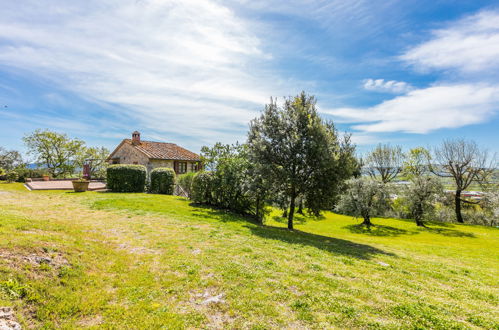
408, 72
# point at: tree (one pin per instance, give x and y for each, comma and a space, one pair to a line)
384, 162
229, 167
10, 159
298, 154
423, 189
464, 162
57, 152
97, 160
364, 197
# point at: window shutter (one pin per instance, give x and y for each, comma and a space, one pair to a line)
175, 166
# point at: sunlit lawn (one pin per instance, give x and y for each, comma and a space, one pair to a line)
146, 261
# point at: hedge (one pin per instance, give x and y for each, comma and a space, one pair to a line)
162, 180
126, 178
202, 188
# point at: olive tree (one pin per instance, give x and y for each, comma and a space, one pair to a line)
299, 154
463, 162
10, 159
364, 197
384, 162
423, 189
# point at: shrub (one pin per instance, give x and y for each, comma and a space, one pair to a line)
126, 178
185, 182
25, 173
162, 180
202, 186
11, 176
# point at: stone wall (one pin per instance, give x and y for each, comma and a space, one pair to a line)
127, 154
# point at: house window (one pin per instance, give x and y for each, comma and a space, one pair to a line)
194, 167
182, 167
135, 163
116, 160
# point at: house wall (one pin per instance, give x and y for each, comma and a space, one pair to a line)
127, 154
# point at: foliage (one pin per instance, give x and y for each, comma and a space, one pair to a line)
11, 176
416, 162
57, 152
229, 176
421, 195
364, 197
464, 162
126, 178
162, 180
185, 182
25, 173
384, 162
10, 159
202, 186
98, 164
2, 172
298, 154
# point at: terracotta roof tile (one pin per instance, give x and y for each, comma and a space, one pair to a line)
163, 150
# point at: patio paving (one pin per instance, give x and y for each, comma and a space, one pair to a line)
62, 185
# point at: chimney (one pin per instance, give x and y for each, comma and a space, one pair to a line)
136, 138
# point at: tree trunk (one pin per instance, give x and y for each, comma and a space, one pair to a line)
457, 200
300, 207
367, 221
291, 209
418, 216
285, 213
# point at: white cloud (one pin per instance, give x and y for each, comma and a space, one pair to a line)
184, 67
386, 86
469, 45
425, 110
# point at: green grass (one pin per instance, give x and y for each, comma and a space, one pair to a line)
146, 261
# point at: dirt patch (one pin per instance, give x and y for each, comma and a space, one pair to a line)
136, 249
39, 259
8, 320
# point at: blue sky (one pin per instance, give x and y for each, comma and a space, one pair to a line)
195, 72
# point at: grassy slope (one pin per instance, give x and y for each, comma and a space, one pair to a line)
143, 261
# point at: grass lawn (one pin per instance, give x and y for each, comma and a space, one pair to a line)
141, 261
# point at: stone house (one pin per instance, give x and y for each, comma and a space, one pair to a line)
155, 154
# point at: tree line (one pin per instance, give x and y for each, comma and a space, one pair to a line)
295, 160
54, 154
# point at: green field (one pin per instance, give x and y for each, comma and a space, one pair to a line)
142, 261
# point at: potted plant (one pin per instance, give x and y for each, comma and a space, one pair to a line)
80, 185
45, 177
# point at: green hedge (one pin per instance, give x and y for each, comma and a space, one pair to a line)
162, 181
126, 178
202, 188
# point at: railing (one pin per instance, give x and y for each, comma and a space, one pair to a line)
178, 191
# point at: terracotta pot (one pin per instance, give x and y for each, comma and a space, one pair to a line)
46, 177
80, 186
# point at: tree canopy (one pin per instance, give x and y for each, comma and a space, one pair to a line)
299, 153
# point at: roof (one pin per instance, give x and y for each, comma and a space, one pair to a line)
161, 150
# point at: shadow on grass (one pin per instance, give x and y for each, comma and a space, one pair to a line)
211, 212
298, 219
448, 232
330, 244
378, 230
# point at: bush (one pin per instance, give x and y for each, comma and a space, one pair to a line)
126, 178
25, 173
11, 176
162, 180
202, 186
185, 182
